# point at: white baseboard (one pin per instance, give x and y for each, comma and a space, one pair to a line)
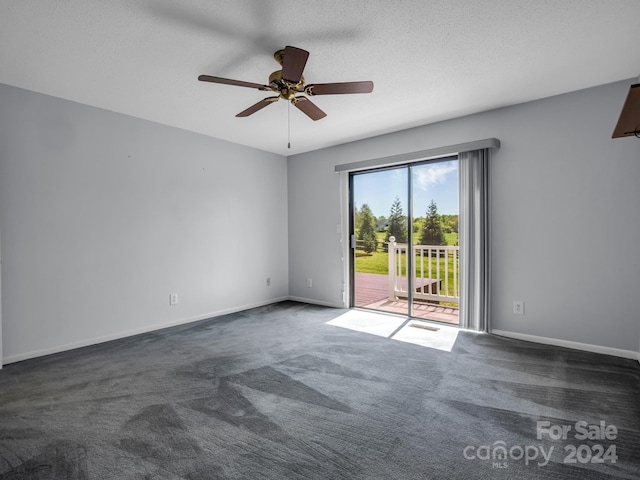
183, 321
316, 302
129, 333
616, 352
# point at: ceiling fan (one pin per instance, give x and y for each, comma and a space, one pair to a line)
290, 85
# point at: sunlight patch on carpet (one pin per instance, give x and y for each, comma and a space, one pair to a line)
368, 322
425, 334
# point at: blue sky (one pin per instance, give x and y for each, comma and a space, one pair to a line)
437, 181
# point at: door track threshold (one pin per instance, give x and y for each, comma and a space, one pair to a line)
424, 327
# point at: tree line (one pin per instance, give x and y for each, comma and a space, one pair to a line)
430, 229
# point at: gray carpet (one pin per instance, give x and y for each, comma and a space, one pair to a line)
276, 393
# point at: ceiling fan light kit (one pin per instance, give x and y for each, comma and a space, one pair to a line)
290, 85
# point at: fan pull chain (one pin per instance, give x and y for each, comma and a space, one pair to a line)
288, 124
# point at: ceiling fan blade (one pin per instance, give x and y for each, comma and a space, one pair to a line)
228, 81
258, 106
339, 88
309, 108
293, 63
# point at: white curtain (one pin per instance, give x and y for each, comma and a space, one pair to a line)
474, 239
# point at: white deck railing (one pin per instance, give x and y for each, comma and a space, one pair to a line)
431, 272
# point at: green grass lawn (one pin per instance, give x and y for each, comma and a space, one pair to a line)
376, 262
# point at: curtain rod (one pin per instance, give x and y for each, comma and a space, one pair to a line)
420, 155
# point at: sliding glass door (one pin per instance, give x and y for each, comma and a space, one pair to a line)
434, 200
379, 203
405, 240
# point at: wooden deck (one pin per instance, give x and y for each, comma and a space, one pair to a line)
372, 291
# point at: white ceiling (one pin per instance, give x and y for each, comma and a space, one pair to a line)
430, 60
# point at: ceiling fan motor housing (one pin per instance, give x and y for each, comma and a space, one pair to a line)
287, 90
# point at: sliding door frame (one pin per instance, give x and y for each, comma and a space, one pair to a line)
408, 166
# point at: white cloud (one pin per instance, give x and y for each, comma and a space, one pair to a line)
433, 174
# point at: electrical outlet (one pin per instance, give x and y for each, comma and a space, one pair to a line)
173, 299
518, 307
268, 281
309, 283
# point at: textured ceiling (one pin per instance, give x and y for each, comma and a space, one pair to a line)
430, 60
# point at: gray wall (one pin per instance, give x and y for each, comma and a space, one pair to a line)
564, 216
103, 216
1, 295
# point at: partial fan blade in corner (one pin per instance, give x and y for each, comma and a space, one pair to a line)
293, 63
629, 121
228, 81
339, 88
258, 106
309, 108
